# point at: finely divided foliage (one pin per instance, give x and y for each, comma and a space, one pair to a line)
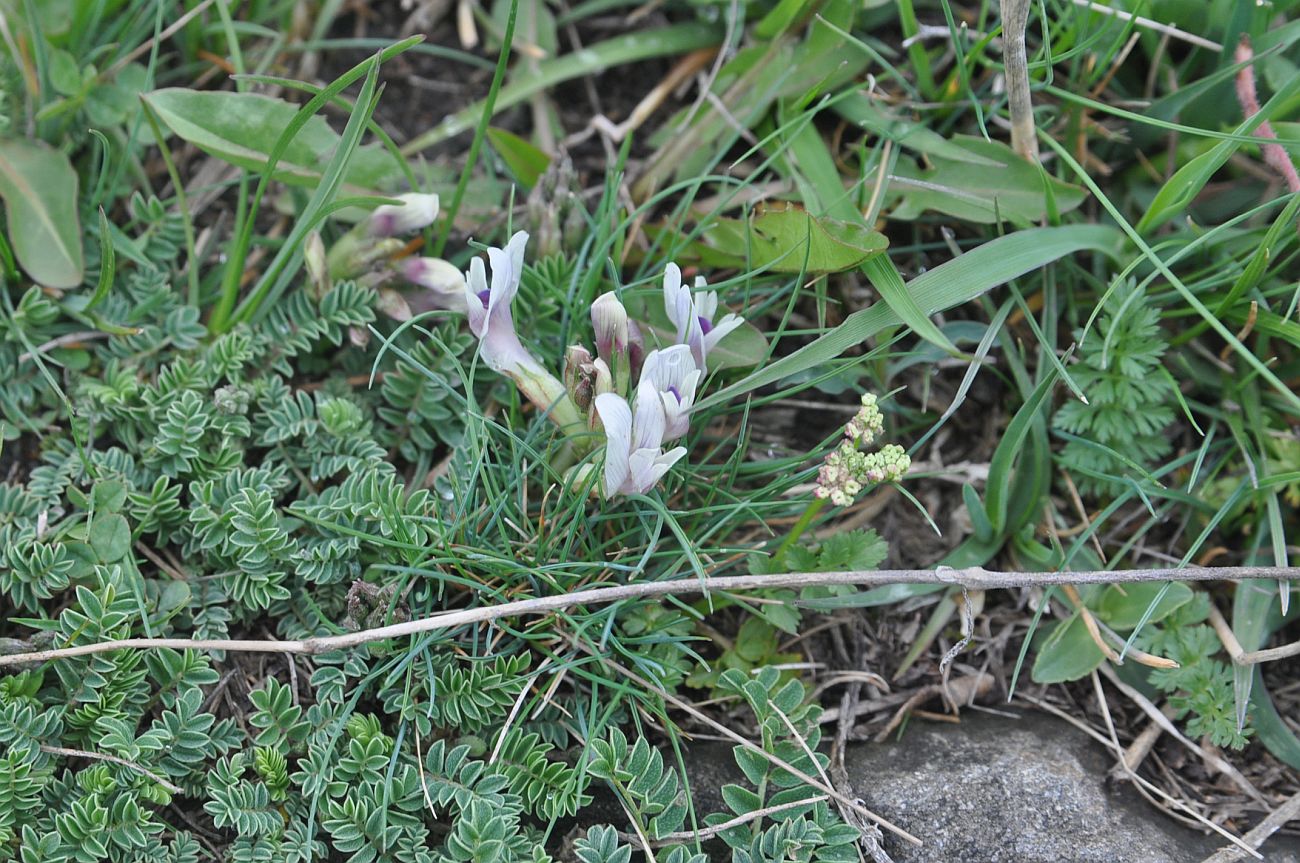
273, 408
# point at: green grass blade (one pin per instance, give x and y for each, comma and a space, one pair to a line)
958, 281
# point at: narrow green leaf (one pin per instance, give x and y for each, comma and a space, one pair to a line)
889, 282
642, 45
1187, 182
957, 281
107, 263
524, 160
997, 489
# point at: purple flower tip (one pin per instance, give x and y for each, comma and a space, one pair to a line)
706, 325
484, 296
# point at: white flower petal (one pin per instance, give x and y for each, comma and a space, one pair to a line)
721, 330
648, 419
616, 417
475, 287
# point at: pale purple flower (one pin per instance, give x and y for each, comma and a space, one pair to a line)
672, 375
693, 312
488, 307
635, 460
416, 212
444, 283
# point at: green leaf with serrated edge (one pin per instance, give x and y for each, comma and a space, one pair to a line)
39, 187
1068, 653
962, 279
1123, 606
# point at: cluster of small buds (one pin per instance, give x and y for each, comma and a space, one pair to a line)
867, 423
848, 470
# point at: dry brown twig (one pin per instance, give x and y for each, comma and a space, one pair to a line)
973, 578
1288, 811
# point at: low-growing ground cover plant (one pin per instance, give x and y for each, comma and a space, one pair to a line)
268, 376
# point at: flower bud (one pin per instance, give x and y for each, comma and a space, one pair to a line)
609, 319
393, 304
313, 254
443, 283
416, 212
635, 349
577, 384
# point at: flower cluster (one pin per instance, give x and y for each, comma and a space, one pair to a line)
848, 470
641, 401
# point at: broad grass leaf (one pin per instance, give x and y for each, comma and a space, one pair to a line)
1124, 606
789, 240
1000, 186
243, 128
958, 281
524, 160
1068, 653
39, 187
857, 108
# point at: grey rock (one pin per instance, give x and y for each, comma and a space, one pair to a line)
998, 790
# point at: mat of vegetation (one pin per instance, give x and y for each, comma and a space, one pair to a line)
372, 369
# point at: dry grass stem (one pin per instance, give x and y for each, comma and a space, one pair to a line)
1015, 19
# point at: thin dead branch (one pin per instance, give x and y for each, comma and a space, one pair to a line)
973, 578
1288, 811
